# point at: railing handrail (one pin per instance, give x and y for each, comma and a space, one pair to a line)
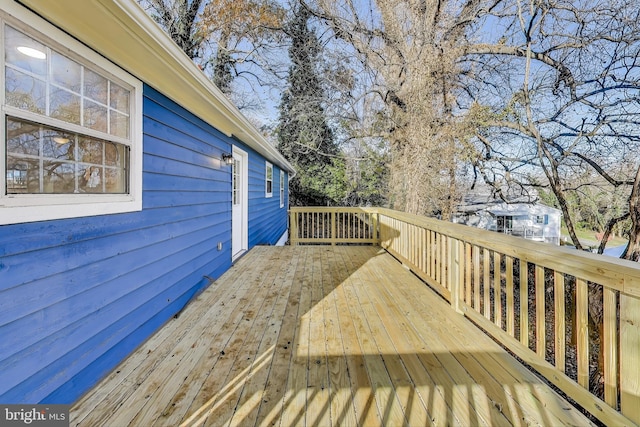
614, 273
448, 257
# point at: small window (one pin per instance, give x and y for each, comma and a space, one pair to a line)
282, 189
71, 127
542, 219
269, 180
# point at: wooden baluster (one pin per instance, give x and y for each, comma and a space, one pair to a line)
455, 273
334, 236
445, 267
508, 261
430, 271
559, 320
438, 257
524, 303
630, 356
376, 228
610, 346
476, 278
293, 221
486, 285
423, 250
305, 225
415, 246
582, 326
541, 341
467, 273
497, 290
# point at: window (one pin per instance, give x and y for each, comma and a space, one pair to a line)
542, 219
268, 180
504, 224
282, 189
71, 123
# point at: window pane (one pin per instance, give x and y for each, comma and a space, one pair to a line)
119, 125
65, 72
22, 175
90, 151
25, 92
23, 138
91, 180
58, 145
115, 181
95, 86
25, 53
58, 178
114, 154
65, 106
95, 116
119, 98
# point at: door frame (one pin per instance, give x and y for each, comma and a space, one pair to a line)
244, 200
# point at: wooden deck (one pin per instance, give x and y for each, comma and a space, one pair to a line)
319, 336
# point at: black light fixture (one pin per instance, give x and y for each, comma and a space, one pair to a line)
227, 158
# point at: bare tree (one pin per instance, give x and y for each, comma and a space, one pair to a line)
555, 89
226, 38
241, 29
179, 18
410, 51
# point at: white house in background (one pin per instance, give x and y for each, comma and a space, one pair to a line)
533, 221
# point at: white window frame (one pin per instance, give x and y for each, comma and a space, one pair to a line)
20, 208
268, 167
281, 189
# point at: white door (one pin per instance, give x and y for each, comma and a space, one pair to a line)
239, 175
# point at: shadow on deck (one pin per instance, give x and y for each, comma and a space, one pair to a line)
321, 335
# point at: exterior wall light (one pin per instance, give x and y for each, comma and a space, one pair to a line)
227, 158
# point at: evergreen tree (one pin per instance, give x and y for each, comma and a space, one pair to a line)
304, 137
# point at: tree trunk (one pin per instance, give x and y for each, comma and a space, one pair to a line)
632, 252
222, 66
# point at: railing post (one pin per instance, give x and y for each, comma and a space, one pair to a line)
455, 274
333, 227
376, 233
293, 226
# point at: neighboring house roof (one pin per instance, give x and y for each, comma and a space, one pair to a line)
485, 201
503, 209
122, 31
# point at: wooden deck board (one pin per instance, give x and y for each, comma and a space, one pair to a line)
320, 335
364, 404
342, 410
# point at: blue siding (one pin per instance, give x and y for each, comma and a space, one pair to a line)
267, 220
78, 295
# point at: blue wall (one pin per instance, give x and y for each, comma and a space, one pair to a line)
267, 220
78, 295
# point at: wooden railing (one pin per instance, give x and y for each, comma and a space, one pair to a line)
333, 225
572, 316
